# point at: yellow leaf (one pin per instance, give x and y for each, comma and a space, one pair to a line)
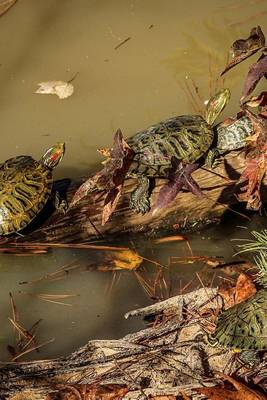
126, 259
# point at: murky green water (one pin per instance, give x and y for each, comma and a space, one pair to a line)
130, 87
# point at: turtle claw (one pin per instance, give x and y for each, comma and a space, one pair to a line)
140, 205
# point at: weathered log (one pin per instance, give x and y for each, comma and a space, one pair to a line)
83, 222
170, 356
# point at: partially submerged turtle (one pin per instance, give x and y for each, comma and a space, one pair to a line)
25, 187
243, 327
185, 138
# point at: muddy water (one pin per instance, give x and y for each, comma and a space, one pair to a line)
131, 86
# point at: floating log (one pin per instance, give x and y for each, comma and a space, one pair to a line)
83, 222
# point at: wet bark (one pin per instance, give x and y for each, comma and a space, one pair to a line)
171, 355
83, 223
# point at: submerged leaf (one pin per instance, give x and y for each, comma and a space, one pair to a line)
60, 88
244, 48
255, 73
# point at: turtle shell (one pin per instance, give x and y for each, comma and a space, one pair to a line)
233, 136
244, 326
25, 187
185, 138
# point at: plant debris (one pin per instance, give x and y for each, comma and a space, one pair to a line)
5, 5
60, 88
242, 391
179, 177
244, 289
244, 48
111, 178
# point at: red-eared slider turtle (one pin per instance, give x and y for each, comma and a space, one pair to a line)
243, 327
25, 187
185, 138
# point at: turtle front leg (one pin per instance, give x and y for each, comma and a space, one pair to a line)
139, 200
60, 204
212, 158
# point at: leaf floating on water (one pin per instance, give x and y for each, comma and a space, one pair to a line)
244, 48
257, 71
5, 5
126, 259
62, 89
169, 239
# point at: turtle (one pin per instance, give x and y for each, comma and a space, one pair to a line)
184, 138
243, 327
25, 187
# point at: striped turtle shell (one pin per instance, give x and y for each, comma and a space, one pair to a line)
185, 138
243, 326
25, 187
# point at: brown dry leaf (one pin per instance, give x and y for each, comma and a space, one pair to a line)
110, 203
62, 89
5, 5
126, 259
169, 239
242, 392
171, 397
87, 392
244, 289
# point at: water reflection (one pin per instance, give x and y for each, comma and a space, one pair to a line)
131, 87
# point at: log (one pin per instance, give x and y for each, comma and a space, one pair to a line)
83, 222
170, 356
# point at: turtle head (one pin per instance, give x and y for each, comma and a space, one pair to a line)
53, 156
216, 104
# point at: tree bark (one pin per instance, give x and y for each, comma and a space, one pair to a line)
83, 222
170, 356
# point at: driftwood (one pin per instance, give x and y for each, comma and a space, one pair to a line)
83, 222
170, 356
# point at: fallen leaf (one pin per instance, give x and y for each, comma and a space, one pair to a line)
170, 397
244, 48
169, 239
244, 289
92, 392
259, 101
110, 203
179, 177
126, 259
111, 178
5, 5
60, 88
255, 73
242, 391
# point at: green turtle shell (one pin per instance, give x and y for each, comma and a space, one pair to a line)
25, 187
233, 136
243, 326
185, 138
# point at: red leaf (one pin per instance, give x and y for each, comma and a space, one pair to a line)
244, 48
255, 73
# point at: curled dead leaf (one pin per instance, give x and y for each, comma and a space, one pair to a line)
244, 48
244, 289
60, 88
